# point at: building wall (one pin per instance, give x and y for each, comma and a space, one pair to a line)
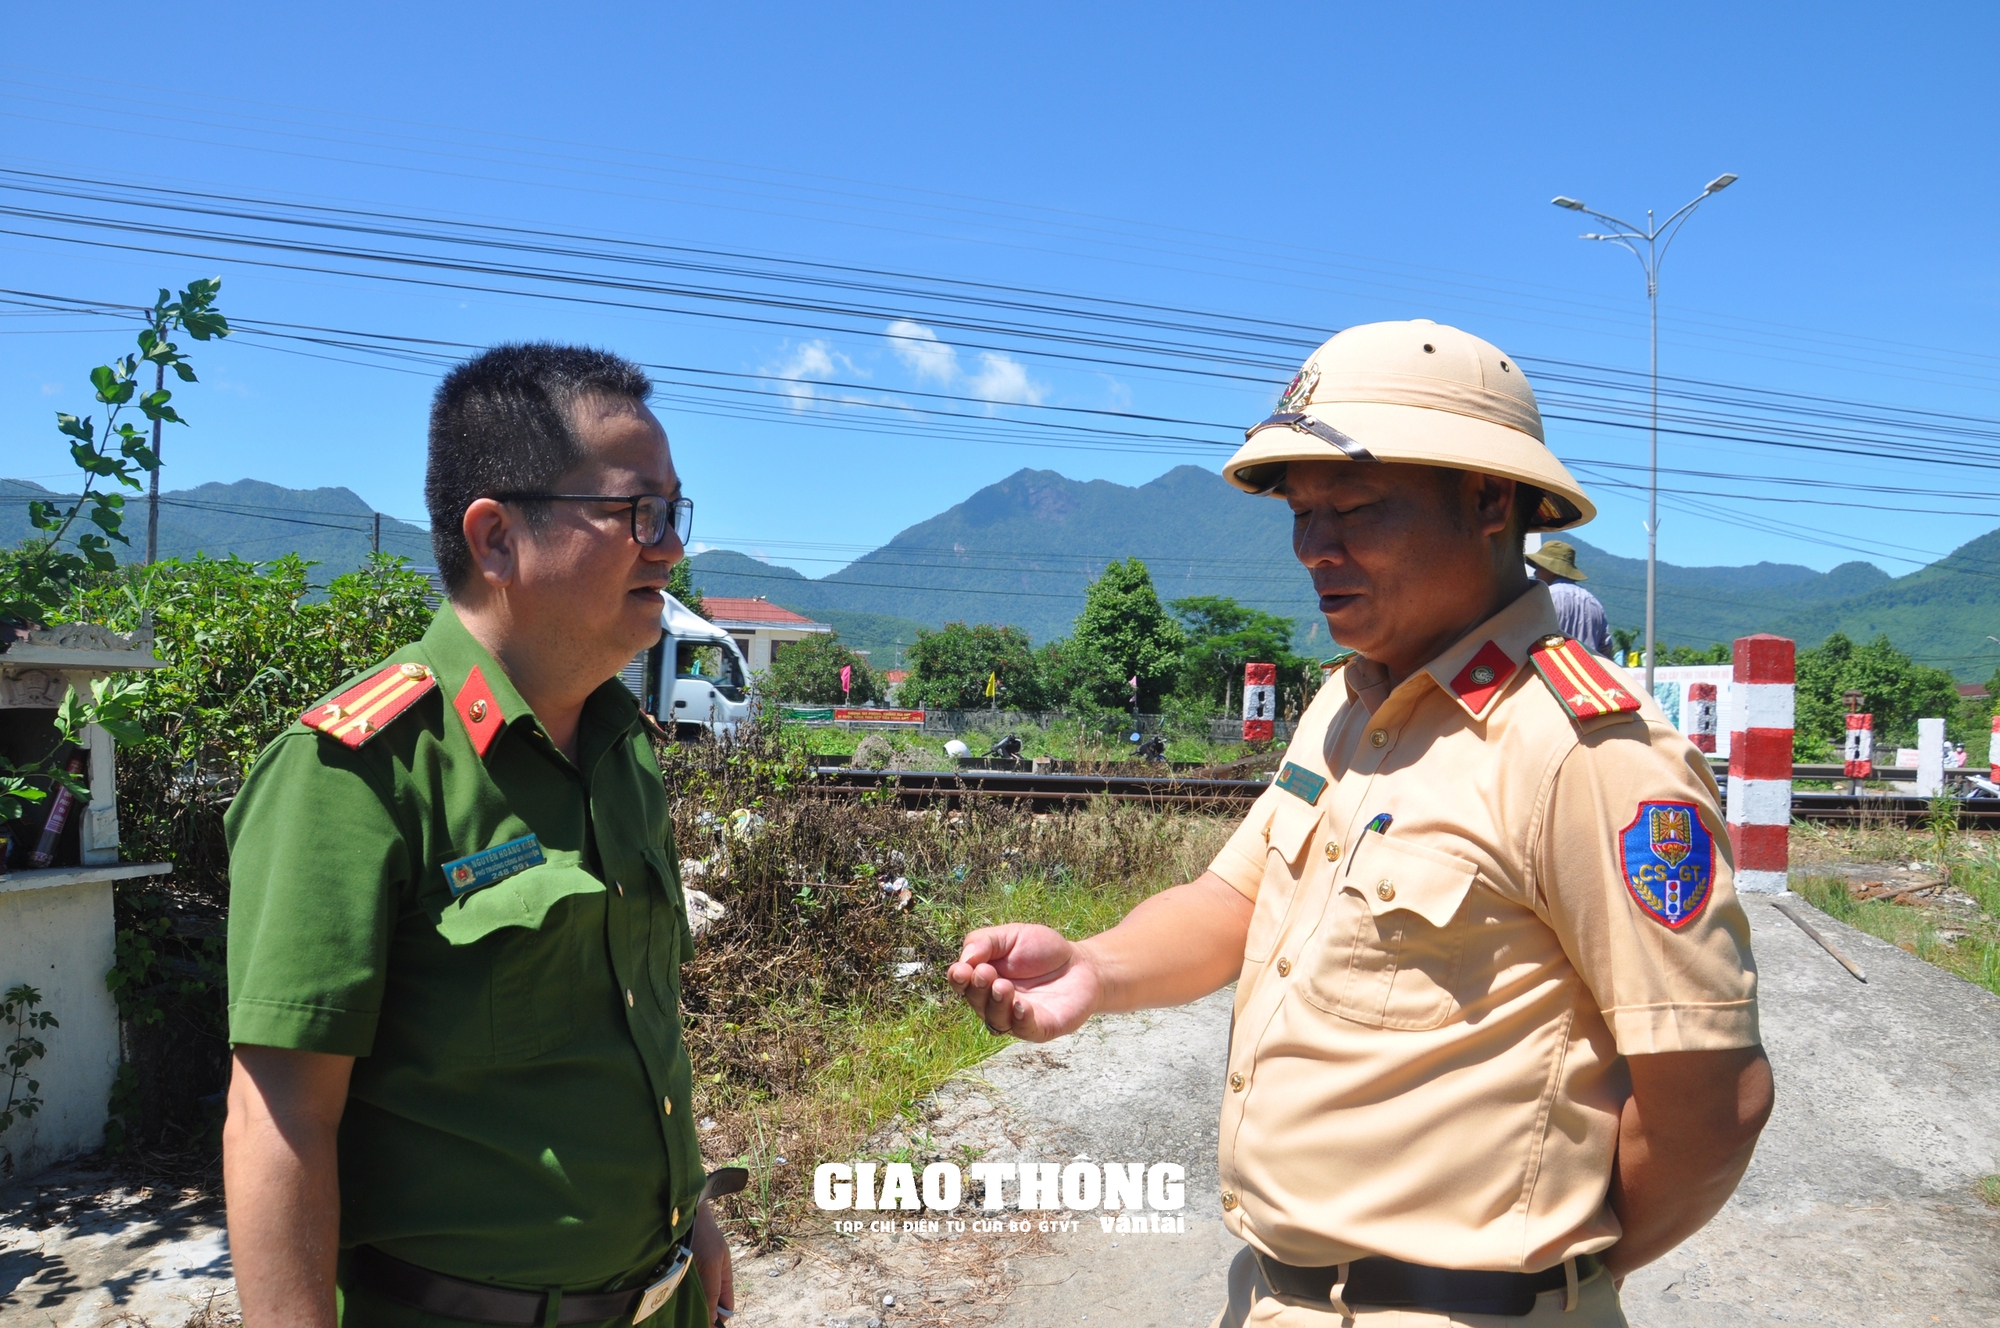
59, 939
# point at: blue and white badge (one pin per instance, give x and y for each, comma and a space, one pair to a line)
464, 875
1668, 858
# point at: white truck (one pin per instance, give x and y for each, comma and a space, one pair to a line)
695, 680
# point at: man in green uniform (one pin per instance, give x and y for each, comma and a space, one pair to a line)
459, 1089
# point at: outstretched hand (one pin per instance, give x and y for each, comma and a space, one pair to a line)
1027, 980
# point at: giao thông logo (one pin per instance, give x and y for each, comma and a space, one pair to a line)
1124, 1196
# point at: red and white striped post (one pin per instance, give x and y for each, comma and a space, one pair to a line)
1993, 753
1260, 702
1760, 763
1858, 760
1701, 716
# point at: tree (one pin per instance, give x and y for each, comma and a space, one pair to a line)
35, 577
680, 584
949, 668
809, 670
1896, 689
1223, 636
1122, 632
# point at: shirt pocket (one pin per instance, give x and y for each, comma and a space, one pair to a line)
669, 941
1285, 866
528, 940
1387, 953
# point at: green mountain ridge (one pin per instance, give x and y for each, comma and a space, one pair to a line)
1022, 550
251, 519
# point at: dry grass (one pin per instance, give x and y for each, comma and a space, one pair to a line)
807, 1027
1956, 928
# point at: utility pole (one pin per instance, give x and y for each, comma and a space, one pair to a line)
1656, 238
378, 532
153, 484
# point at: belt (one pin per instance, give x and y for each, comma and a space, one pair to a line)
1393, 1284
481, 1302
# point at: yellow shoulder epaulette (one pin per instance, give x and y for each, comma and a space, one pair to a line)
1579, 682
364, 709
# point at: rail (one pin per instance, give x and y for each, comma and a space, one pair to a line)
1048, 793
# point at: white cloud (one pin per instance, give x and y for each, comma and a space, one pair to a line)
1003, 379
999, 378
922, 352
806, 361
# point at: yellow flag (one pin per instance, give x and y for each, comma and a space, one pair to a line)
992, 683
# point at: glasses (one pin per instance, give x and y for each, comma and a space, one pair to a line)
652, 515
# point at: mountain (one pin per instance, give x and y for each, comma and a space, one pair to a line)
251, 519
1700, 605
1021, 551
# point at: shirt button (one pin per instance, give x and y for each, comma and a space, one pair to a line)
1229, 1201
1379, 738
677, 1217
669, 1105
1385, 891
1284, 967
1332, 851
621, 888
628, 998
1236, 1081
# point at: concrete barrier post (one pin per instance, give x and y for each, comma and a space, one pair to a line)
1858, 758
1993, 753
1260, 701
1930, 757
1699, 722
1760, 763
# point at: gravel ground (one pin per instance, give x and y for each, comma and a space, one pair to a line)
1859, 1209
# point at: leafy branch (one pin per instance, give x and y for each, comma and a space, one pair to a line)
40, 572
17, 1011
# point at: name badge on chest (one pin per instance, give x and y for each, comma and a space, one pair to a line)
1301, 783
464, 875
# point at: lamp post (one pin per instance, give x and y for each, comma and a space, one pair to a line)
1655, 236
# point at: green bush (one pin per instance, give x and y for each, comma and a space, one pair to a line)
809, 671
248, 646
949, 669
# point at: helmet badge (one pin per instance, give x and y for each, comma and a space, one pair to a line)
1300, 390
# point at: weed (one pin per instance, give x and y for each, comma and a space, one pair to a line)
1989, 1189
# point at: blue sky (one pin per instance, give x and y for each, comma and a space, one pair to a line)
1315, 166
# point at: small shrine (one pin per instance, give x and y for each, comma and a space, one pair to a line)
56, 927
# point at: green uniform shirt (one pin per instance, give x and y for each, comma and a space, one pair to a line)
519, 1113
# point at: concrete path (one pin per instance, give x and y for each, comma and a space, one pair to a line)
78, 1250
1859, 1209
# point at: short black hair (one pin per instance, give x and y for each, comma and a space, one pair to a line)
500, 423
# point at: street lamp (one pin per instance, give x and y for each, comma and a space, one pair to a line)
1655, 237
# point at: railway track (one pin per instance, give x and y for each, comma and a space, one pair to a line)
1047, 793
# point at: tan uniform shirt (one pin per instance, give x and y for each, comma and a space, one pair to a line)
1426, 1060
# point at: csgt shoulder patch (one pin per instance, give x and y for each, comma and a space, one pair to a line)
1579, 682
363, 710
1668, 859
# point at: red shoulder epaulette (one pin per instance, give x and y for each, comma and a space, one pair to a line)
363, 710
1579, 682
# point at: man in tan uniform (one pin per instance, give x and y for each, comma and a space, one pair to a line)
1495, 1038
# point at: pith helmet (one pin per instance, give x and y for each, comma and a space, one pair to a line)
1416, 392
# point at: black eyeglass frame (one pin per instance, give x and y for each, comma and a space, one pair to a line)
680, 511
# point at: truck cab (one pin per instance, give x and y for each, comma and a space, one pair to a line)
695, 680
